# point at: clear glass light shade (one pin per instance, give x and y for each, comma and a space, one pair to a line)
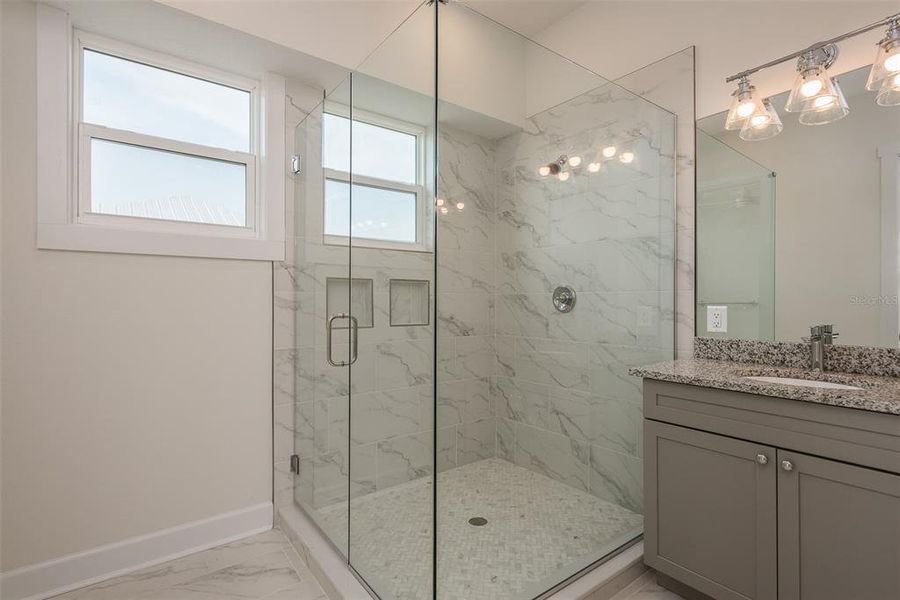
762, 125
744, 103
826, 108
889, 94
887, 63
812, 90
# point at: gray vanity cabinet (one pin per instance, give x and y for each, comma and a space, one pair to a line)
714, 526
838, 530
756, 498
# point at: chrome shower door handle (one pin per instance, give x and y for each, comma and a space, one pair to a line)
329, 330
354, 342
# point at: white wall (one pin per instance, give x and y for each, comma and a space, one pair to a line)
615, 38
136, 389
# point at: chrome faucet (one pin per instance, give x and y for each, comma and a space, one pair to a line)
819, 337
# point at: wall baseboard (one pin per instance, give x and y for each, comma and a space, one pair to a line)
59, 575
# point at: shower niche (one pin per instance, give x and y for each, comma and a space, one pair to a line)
479, 444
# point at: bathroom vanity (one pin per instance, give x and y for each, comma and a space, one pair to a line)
757, 490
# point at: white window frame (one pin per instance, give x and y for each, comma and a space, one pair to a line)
65, 221
419, 189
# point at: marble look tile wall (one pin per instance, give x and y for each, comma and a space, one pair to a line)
565, 404
669, 83
468, 184
516, 379
388, 441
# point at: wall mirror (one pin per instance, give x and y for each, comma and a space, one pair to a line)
801, 228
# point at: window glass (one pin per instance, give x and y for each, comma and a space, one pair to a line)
377, 151
378, 213
128, 95
134, 181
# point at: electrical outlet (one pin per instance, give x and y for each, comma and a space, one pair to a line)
717, 319
646, 318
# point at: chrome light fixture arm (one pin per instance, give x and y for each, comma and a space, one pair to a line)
893, 21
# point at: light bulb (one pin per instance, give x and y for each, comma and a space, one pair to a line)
544, 171
563, 175
609, 151
811, 88
460, 205
593, 167
745, 109
759, 120
744, 103
892, 63
439, 202
574, 161
823, 101
887, 61
626, 157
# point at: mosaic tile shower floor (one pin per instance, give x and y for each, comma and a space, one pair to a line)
537, 529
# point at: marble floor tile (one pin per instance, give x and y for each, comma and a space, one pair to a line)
260, 567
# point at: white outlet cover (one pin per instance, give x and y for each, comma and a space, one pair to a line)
717, 319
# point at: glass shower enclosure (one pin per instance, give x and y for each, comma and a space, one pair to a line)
459, 430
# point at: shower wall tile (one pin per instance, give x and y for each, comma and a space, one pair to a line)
446, 448
403, 459
556, 456
506, 440
476, 441
561, 390
618, 478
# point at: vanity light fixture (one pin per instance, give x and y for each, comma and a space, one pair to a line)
889, 95
563, 176
744, 103
626, 158
816, 95
827, 108
574, 161
762, 125
608, 152
593, 167
887, 60
813, 88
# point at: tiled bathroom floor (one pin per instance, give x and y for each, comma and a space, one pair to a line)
537, 528
263, 566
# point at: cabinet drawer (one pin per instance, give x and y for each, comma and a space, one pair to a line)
710, 512
857, 436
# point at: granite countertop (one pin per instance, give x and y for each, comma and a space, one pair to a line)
879, 393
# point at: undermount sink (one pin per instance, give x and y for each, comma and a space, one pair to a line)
804, 382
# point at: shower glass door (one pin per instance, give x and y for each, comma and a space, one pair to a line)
312, 367
459, 436
552, 178
392, 249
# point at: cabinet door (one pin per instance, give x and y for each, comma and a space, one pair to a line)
838, 530
710, 514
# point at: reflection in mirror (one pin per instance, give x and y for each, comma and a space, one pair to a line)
827, 250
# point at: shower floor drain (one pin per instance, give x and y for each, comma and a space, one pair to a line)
477, 521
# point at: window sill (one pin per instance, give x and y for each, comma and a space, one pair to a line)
89, 238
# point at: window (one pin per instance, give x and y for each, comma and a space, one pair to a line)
166, 156
163, 145
387, 187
